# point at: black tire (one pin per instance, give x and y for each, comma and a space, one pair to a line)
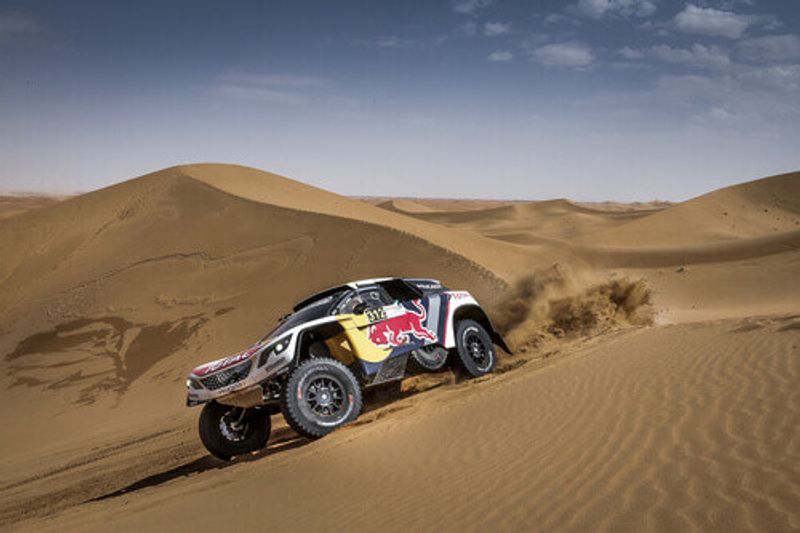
431, 358
226, 431
321, 395
475, 350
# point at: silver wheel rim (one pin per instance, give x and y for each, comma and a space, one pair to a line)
233, 426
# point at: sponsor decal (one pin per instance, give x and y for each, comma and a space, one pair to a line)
227, 362
399, 330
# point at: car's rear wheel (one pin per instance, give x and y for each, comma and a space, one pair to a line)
476, 353
429, 358
321, 395
228, 431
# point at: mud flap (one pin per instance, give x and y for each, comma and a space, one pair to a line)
498, 340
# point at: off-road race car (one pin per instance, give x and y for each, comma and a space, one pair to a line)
313, 366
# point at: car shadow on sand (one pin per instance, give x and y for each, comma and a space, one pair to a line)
285, 440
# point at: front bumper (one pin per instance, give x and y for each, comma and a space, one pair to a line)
261, 363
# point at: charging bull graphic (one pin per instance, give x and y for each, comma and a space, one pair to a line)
395, 331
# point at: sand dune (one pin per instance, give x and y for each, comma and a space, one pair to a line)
411, 205
263, 187
404, 206
655, 205
755, 209
554, 219
415, 204
14, 205
107, 298
751, 210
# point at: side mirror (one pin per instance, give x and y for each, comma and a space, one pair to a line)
360, 308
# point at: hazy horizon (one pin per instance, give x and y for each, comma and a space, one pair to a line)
593, 100
63, 195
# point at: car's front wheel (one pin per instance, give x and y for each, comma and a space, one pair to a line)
228, 431
321, 395
476, 354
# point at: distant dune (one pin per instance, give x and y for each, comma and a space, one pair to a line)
17, 204
434, 204
763, 207
685, 420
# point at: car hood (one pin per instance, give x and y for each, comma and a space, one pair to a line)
227, 362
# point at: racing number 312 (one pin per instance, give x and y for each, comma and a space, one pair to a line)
375, 315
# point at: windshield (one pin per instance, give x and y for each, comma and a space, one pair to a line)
316, 309
369, 296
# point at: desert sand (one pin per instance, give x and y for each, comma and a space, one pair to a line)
654, 384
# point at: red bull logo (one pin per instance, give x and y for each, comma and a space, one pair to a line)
396, 331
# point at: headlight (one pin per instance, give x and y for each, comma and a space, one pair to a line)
193, 384
274, 348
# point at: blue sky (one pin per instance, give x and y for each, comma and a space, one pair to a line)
587, 99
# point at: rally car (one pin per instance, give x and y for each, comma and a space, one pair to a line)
313, 366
